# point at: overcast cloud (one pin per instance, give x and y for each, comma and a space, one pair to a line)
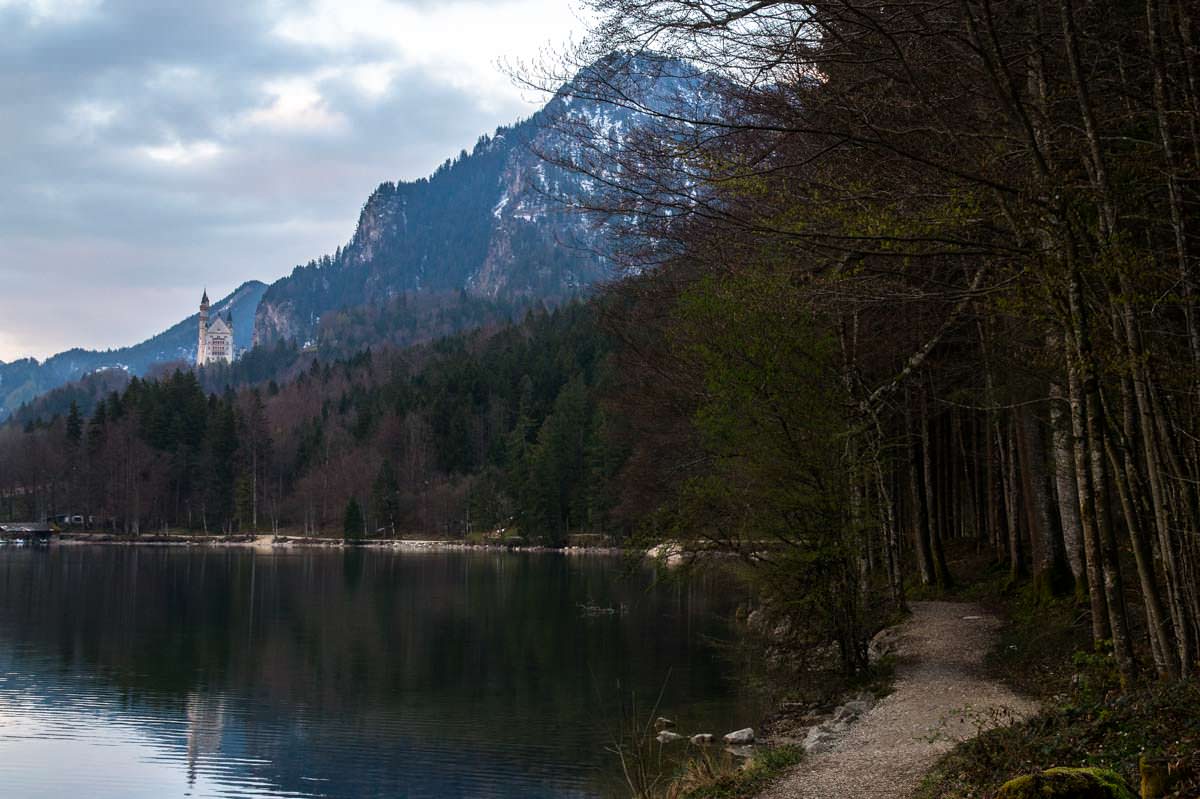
152, 148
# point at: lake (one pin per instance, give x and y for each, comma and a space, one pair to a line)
204, 672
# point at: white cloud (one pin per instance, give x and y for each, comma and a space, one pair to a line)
295, 105
183, 153
150, 146
373, 79
461, 42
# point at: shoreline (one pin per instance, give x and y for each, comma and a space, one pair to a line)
270, 542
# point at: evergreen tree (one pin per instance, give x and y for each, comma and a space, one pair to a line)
556, 492
218, 465
243, 503
96, 428
74, 426
352, 521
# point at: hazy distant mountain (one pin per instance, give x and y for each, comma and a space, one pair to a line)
25, 379
491, 222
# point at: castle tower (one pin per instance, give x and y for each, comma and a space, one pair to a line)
201, 355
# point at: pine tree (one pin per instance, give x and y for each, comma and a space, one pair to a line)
352, 521
74, 426
96, 428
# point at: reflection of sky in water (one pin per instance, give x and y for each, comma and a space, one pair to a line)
70, 738
236, 675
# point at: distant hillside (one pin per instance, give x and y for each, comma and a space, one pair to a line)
26, 379
412, 318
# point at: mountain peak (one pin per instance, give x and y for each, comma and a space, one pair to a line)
495, 222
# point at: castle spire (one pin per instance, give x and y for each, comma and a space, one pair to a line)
202, 342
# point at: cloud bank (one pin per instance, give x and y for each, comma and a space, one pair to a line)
152, 149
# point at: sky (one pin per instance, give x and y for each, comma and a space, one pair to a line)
153, 148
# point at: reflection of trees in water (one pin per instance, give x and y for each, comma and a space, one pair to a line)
377, 654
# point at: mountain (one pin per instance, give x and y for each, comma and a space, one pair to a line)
28, 378
500, 222
489, 233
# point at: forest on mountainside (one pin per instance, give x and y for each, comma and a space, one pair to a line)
492, 429
405, 319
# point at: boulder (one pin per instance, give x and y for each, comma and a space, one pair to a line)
1067, 783
668, 737
851, 710
740, 737
819, 739
701, 739
885, 643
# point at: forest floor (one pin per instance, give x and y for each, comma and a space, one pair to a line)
941, 695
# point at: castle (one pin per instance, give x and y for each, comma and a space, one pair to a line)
216, 340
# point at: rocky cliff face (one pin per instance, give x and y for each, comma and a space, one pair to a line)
496, 222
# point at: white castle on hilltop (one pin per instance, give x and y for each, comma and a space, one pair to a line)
216, 340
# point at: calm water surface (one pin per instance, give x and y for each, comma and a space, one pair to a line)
156, 672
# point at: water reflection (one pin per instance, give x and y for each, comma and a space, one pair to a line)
170, 672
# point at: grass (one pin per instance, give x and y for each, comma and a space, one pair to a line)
1085, 731
717, 776
1034, 650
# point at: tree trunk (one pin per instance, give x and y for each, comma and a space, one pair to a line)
1008, 457
1066, 490
1083, 480
919, 512
1049, 566
1127, 488
941, 573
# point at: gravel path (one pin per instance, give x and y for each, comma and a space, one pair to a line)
941, 696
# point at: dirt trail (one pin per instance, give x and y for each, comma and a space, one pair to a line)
941, 696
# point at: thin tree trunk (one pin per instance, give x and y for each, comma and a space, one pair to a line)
1008, 455
1126, 481
1083, 479
1049, 567
919, 514
1114, 587
1066, 490
941, 573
